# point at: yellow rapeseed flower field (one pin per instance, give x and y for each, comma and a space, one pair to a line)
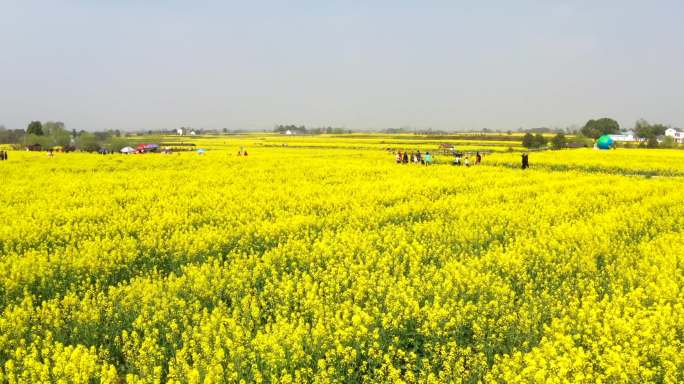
336, 265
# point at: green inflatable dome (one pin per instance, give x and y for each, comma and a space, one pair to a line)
604, 142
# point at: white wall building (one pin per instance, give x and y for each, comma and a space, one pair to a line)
180, 131
675, 133
628, 136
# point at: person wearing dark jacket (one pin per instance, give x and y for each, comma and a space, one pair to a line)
525, 161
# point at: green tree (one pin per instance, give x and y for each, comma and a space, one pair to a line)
652, 142
87, 142
539, 141
597, 128
50, 126
35, 128
60, 137
10, 136
115, 144
42, 140
559, 141
644, 130
668, 142
528, 140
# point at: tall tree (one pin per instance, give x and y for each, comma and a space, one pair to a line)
528, 140
644, 130
60, 136
49, 126
558, 141
597, 128
539, 140
87, 142
35, 128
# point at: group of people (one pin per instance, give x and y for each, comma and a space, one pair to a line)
465, 160
3, 155
405, 157
413, 157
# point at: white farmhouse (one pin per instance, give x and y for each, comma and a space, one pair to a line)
675, 133
180, 131
628, 136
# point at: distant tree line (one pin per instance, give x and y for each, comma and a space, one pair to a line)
302, 130
54, 134
534, 141
647, 135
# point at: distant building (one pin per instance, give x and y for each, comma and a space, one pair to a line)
628, 136
676, 133
180, 131
192, 133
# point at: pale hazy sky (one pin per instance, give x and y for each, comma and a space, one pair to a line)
151, 64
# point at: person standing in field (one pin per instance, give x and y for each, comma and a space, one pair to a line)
525, 161
428, 158
405, 159
398, 157
466, 162
478, 158
419, 158
2, 155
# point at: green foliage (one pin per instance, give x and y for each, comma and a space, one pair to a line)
559, 141
533, 141
60, 137
10, 136
528, 140
87, 142
42, 140
580, 139
115, 144
50, 126
35, 128
644, 130
668, 142
539, 141
597, 128
652, 142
